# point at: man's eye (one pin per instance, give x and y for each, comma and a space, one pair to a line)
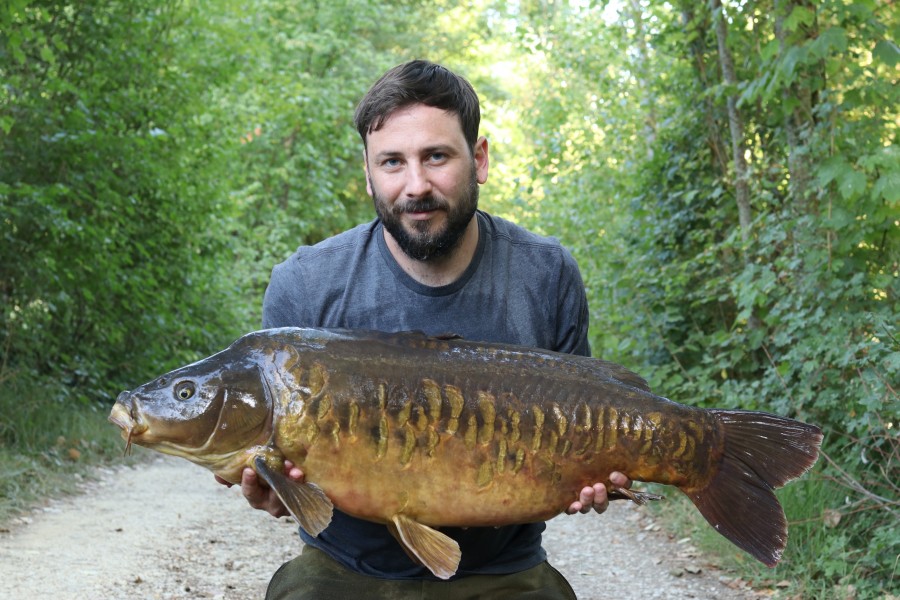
438, 157
391, 163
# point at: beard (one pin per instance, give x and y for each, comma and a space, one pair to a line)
420, 243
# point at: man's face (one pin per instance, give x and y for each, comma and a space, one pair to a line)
424, 179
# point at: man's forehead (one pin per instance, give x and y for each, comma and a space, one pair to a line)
418, 117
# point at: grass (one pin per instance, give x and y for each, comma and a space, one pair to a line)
49, 444
823, 559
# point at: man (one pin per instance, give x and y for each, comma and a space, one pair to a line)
430, 262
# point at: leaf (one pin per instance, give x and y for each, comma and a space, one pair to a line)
840, 218
892, 362
831, 41
793, 56
888, 187
832, 169
851, 184
47, 55
799, 16
887, 52
769, 50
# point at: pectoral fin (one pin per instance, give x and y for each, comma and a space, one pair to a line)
306, 501
439, 553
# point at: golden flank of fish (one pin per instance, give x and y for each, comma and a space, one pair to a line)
386, 425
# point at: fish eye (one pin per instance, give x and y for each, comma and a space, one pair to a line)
184, 390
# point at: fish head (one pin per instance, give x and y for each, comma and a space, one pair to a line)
207, 411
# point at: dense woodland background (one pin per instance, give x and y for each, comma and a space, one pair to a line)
724, 172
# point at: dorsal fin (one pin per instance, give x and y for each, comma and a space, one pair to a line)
621, 374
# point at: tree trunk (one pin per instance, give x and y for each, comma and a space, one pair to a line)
691, 21
637, 16
736, 124
798, 121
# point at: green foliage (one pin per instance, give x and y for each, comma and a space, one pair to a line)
798, 318
110, 197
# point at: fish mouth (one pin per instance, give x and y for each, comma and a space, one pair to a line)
129, 421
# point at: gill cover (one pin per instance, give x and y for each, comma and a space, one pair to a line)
215, 406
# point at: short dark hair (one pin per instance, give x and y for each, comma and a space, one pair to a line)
419, 82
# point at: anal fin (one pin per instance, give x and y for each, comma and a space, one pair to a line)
308, 504
438, 552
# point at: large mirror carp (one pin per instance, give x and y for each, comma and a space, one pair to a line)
386, 426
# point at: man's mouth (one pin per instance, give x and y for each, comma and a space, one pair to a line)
421, 215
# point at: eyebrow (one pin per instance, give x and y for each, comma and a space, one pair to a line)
442, 148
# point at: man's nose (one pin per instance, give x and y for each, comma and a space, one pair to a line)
418, 183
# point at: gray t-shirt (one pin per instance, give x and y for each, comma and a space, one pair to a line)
520, 288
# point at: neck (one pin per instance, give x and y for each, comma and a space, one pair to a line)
442, 271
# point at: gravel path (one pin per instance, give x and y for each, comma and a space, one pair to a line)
166, 530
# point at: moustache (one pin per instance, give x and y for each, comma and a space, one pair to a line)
426, 204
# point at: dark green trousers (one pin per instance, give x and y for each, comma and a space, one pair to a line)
315, 576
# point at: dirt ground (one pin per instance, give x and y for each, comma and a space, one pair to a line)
166, 530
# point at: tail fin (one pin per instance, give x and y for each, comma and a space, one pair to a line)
762, 452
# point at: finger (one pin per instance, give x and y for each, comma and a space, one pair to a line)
587, 498
259, 495
252, 489
222, 481
293, 472
601, 499
583, 504
620, 480
575, 507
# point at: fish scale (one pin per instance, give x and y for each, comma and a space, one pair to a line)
384, 426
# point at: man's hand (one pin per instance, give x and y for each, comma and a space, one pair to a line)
258, 493
595, 497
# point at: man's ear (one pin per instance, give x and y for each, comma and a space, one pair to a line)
366, 172
482, 162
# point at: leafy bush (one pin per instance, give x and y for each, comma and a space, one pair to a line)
794, 312
114, 232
